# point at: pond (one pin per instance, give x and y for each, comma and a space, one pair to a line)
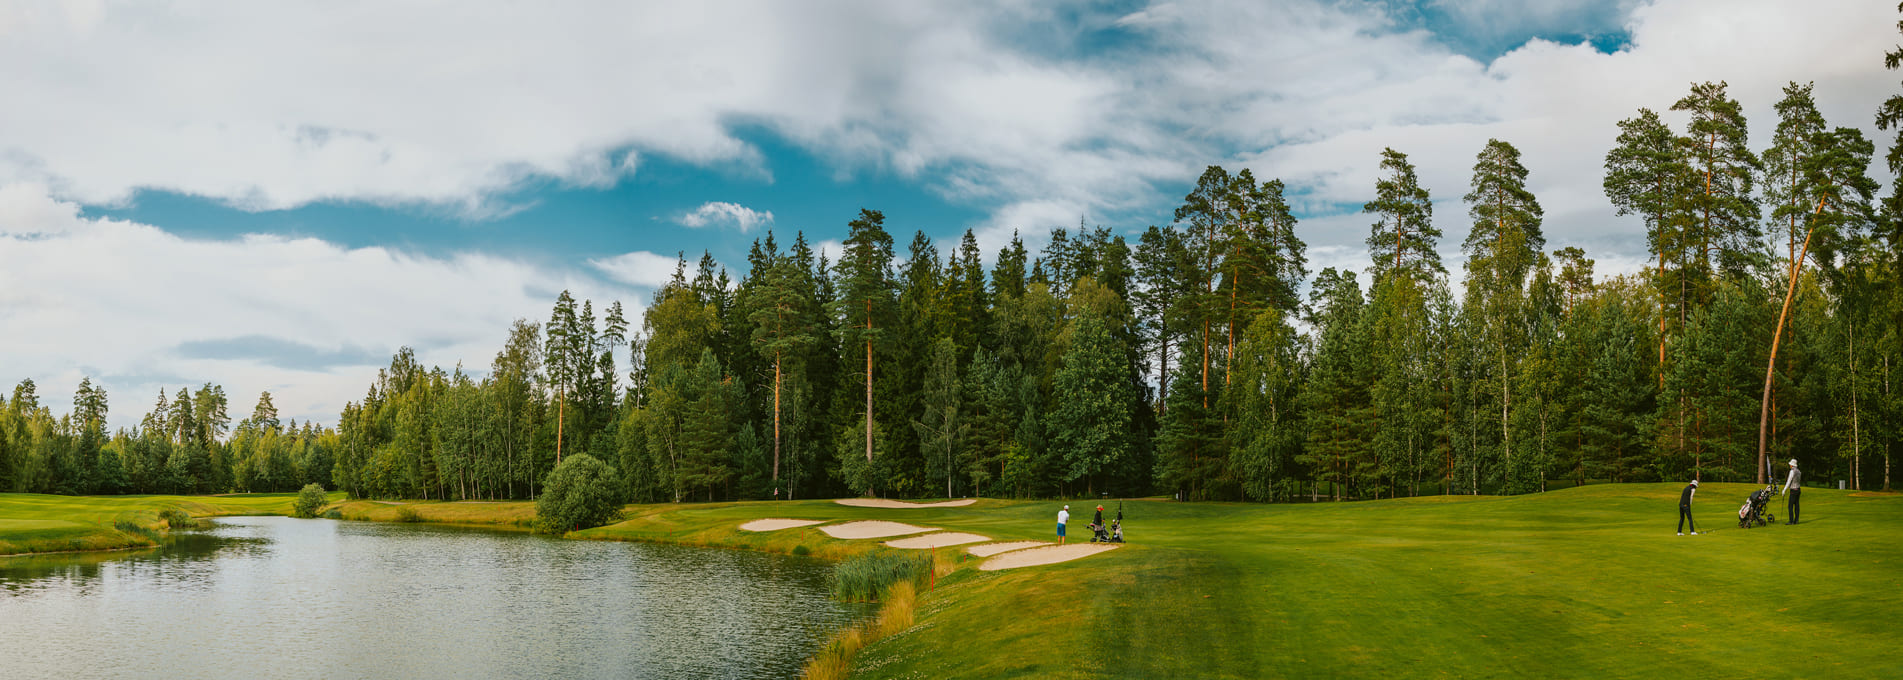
289, 598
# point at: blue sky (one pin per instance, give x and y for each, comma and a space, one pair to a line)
277, 196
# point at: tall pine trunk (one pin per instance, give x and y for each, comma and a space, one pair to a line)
776, 420
1770, 368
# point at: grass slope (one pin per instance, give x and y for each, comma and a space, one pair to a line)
36, 523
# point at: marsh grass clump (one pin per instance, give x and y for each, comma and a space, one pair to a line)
131, 528
408, 515
178, 519
864, 578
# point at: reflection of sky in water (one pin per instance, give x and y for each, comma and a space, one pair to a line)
307, 598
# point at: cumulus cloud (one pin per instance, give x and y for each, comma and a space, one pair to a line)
140, 309
1002, 105
720, 213
641, 269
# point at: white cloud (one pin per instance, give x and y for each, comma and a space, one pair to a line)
719, 213
280, 104
273, 105
641, 269
138, 309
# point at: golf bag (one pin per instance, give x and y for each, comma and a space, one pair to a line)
1756, 510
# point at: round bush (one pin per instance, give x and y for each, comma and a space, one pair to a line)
582, 492
310, 499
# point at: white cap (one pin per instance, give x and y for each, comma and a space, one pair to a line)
1793, 462
1694, 482
1066, 507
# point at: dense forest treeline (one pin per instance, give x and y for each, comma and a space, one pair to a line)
1188, 362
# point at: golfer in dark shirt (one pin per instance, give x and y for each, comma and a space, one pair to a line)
1685, 508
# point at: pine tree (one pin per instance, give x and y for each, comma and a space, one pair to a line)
943, 427
1502, 248
866, 299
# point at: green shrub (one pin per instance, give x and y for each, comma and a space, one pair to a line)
333, 513
309, 500
802, 550
582, 492
866, 577
408, 515
177, 519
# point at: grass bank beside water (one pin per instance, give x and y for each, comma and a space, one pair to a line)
1587, 582
37, 523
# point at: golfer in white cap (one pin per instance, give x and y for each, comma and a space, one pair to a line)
1793, 487
1685, 508
1062, 517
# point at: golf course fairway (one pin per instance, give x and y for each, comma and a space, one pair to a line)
1587, 582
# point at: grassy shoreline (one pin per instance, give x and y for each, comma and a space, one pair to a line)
1587, 582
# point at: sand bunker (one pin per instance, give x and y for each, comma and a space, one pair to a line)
1050, 555
938, 540
886, 503
777, 524
990, 549
872, 529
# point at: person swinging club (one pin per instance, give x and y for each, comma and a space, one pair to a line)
1685, 508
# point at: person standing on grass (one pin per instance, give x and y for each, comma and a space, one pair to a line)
1685, 508
1062, 517
1793, 487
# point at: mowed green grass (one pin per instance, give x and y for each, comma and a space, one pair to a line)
35, 523
1588, 582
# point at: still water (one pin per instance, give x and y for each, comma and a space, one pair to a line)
276, 597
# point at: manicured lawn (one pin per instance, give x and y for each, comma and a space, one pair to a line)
1587, 582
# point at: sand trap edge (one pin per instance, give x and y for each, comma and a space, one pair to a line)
1047, 555
890, 504
990, 549
942, 539
872, 528
778, 524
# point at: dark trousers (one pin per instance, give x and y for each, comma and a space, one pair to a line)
1684, 518
1790, 503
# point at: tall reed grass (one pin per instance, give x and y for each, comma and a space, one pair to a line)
862, 578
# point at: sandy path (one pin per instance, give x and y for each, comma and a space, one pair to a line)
871, 529
990, 549
1050, 555
887, 503
777, 524
939, 540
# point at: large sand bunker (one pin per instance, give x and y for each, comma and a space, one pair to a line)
938, 540
990, 549
871, 529
777, 524
1050, 555
887, 503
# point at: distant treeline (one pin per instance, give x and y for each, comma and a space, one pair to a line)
1185, 363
